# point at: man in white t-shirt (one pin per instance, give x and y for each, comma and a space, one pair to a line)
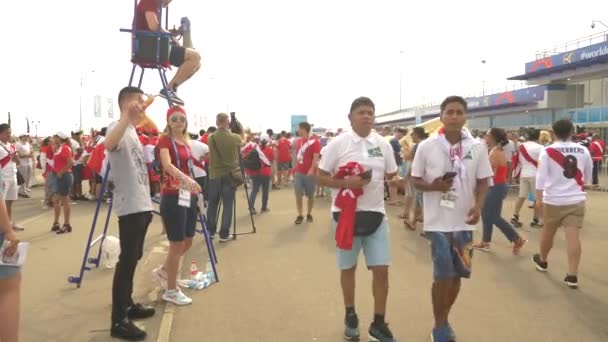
367, 220
453, 170
564, 169
200, 151
9, 160
528, 155
26, 163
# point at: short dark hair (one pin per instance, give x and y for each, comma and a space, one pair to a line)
453, 98
562, 129
269, 132
126, 92
103, 131
211, 129
420, 132
4, 127
201, 132
362, 101
305, 126
283, 133
499, 135
533, 134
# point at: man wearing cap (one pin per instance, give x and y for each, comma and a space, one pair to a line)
133, 206
26, 165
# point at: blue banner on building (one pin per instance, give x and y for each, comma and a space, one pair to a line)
295, 120
591, 54
515, 97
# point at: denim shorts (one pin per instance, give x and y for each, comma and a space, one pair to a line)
63, 185
305, 184
452, 254
7, 271
180, 222
376, 248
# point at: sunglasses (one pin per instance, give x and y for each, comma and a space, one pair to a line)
176, 118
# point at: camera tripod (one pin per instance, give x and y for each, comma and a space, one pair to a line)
221, 199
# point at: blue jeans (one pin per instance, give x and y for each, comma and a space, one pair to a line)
491, 214
220, 188
264, 182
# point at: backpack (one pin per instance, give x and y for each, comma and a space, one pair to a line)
252, 160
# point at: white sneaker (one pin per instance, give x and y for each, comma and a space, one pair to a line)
160, 275
176, 297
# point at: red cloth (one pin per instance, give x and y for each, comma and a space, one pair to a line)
170, 184
346, 200
61, 158
597, 148
95, 163
265, 170
175, 109
140, 15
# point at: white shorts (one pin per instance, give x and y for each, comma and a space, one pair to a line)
527, 185
10, 189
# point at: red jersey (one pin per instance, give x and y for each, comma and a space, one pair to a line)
304, 160
170, 185
140, 14
61, 157
283, 146
265, 170
597, 149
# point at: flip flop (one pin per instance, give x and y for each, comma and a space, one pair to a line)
299, 219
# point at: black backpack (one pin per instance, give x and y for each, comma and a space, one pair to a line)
252, 160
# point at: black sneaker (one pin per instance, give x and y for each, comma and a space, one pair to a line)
126, 330
571, 281
536, 224
351, 327
170, 95
380, 333
515, 222
140, 311
540, 265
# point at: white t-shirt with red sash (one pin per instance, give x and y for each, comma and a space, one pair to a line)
8, 166
529, 152
564, 168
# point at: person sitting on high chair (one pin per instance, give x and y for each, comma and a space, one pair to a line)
186, 59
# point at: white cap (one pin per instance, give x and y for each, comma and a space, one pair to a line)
23, 135
62, 135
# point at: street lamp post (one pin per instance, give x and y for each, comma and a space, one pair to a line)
483, 82
400, 78
593, 22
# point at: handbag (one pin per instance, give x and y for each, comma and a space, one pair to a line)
235, 176
366, 222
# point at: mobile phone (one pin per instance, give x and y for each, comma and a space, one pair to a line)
449, 175
366, 175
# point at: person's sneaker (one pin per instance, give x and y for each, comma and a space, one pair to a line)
536, 224
265, 210
452, 337
571, 281
227, 238
140, 311
253, 211
351, 327
515, 221
170, 95
18, 228
518, 244
540, 265
482, 246
176, 297
380, 333
160, 275
126, 330
441, 334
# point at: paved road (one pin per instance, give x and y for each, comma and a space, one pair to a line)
281, 284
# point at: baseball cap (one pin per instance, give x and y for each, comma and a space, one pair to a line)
62, 135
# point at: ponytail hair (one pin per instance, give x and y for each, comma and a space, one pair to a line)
500, 136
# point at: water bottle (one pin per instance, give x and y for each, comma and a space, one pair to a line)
209, 272
193, 270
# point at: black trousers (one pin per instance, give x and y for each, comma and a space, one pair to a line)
596, 169
132, 231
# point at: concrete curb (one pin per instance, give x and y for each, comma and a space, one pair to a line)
166, 322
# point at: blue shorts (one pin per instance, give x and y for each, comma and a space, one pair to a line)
376, 248
7, 271
403, 169
452, 254
180, 222
63, 185
305, 185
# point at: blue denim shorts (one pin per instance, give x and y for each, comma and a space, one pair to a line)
305, 184
376, 248
452, 254
63, 185
7, 271
180, 222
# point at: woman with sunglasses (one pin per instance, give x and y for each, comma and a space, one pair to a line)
178, 200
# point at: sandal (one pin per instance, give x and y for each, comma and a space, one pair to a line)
55, 227
66, 228
409, 225
299, 219
309, 218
